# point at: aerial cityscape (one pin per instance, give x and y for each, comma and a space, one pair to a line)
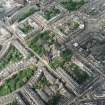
52, 52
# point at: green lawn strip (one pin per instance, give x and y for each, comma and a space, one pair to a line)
48, 14
13, 55
42, 83
72, 5
16, 81
36, 44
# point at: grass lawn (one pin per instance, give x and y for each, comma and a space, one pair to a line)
13, 55
67, 55
72, 5
42, 83
76, 25
48, 14
26, 14
36, 44
57, 62
77, 74
26, 28
16, 81
55, 99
